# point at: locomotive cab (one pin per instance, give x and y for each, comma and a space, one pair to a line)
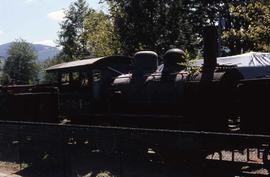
83, 84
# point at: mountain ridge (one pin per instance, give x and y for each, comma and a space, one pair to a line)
43, 51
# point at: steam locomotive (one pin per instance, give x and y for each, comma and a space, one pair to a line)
135, 91
171, 90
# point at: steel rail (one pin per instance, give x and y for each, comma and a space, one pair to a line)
79, 126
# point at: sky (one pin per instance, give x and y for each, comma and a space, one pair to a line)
36, 21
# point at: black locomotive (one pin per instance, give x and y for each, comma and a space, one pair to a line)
135, 91
170, 90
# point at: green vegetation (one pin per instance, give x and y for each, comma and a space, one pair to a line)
248, 27
20, 66
151, 25
160, 25
132, 25
99, 34
1, 69
86, 32
71, 36
51, 77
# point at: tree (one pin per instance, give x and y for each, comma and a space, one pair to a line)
51, 77
151, 25
21, 66
1, 69
99, 34
162, 24
72, 30
248, 27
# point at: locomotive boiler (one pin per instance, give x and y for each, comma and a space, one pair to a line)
216, 98
174, 97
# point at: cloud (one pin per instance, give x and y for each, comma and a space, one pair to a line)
46, 42
57, 15
1, 32
29, 1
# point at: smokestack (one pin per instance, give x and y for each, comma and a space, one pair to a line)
210, 37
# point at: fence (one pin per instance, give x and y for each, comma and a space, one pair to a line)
53, 150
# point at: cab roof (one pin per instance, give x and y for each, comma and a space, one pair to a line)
89, 63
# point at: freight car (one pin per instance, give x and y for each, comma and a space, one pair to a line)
29, 103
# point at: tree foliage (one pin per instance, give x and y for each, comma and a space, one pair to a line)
52, 77
158, 25
248, 28
72, 31
151, 25
86, 32
1, 69
20, 66
99, 34
162, 24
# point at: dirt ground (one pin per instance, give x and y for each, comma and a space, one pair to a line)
8, 169
95, 164
41, 153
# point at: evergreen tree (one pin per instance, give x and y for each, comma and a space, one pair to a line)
21, 66
72, 30
1, 69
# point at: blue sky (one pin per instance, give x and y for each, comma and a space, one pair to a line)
36, 21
